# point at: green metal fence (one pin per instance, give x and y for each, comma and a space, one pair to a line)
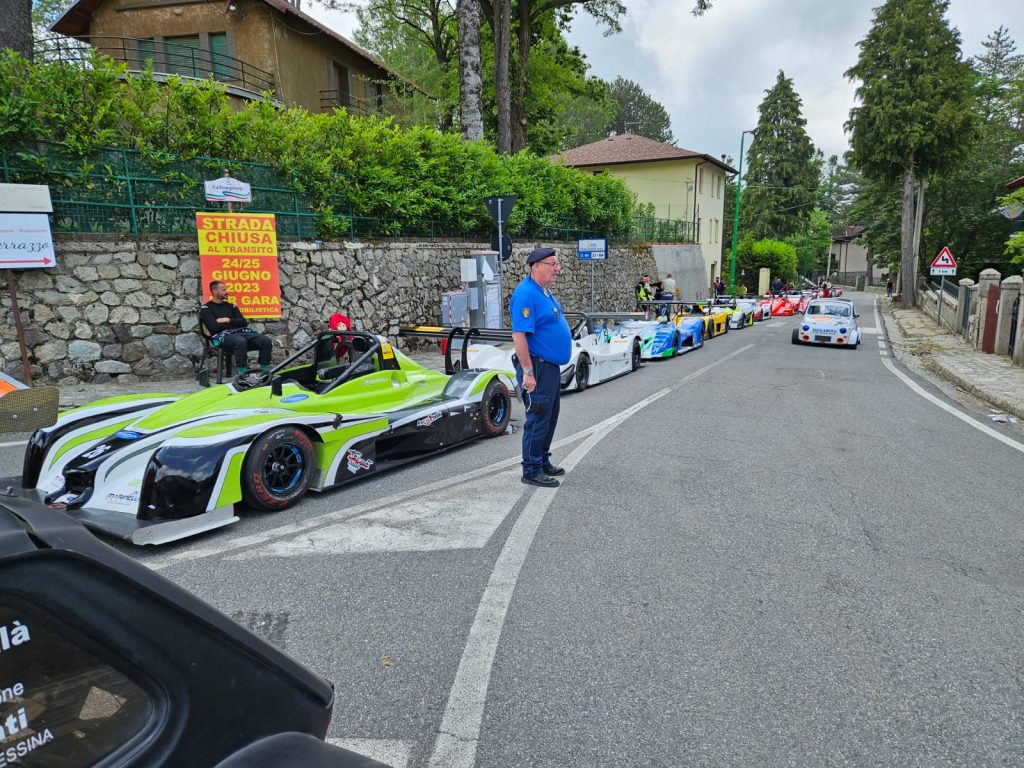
120, 191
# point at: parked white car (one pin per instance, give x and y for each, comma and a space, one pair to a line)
829, 321
601, 348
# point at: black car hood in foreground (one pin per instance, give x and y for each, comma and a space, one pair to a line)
104, 662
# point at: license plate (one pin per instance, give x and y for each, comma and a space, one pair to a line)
823, 338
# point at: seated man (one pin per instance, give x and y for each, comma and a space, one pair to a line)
231, 331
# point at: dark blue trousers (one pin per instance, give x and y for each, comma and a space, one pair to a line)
541, 415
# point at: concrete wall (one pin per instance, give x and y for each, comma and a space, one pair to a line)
686, 264
127, 310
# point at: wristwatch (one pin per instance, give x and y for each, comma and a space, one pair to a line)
528, 373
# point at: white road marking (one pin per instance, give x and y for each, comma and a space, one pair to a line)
462, 516
775, 324
459, 734
870, 331
950, 409
16, 442
394, 753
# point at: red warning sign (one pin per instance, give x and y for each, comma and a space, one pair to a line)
944, 263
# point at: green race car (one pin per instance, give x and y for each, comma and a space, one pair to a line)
155, 468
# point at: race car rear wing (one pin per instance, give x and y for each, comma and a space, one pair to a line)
453, 337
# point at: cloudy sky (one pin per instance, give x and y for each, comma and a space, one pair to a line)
710, 73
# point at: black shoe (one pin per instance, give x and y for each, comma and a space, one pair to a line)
543, 481
552, 471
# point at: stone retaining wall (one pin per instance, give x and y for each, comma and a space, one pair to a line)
127, 310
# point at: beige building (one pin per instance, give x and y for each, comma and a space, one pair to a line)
851, 259
252, 46
679, 183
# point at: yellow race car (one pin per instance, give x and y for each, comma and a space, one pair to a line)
716, 318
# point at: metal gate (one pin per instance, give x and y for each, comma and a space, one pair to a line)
1013, 323
965, 315
988, 339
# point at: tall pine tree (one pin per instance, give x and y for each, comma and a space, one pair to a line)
916, 112
782, 176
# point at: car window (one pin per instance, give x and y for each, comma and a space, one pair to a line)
60, 705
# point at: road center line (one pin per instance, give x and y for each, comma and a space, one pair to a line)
459, 735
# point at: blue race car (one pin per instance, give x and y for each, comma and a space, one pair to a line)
666, 338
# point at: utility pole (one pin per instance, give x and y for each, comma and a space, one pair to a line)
736, 218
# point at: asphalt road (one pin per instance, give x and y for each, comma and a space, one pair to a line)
761, 555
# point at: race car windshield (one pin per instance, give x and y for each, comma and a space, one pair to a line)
830, 309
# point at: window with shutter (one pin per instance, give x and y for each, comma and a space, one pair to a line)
186, 57
222, 65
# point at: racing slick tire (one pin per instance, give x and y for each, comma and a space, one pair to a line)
278, 469
582, 373
495, 409
711, 330
675, 345
635, 362
796, 336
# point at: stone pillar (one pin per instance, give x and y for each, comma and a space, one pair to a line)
985, 279
963, 302
972, 320
1010, 290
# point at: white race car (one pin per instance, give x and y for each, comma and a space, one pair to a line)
600, 350
829, 321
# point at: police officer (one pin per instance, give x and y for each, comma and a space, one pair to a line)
543, 343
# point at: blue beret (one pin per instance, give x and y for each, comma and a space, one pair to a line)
539, 254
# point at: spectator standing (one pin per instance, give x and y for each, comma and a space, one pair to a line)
231, 331
776, 286
543, 343
643, 290
888, 286
668, 287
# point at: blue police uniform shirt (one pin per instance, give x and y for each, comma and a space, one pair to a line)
537, 313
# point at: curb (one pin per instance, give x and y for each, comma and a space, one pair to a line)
936, 363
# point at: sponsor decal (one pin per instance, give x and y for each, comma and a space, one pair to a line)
123, 499
14, 635
387, 351
96, 452
128, 434
298, 398
357, 462
429, 419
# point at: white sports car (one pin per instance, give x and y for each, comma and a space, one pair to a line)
829, 321
600, 350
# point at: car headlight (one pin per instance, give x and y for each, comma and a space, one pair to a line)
806, 328
842, 330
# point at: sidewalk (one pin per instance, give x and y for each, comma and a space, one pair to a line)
992, 378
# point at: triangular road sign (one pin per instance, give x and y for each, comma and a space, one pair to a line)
944, 259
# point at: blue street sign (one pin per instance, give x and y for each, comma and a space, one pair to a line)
592, 250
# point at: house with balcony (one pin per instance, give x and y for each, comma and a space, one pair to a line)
258, 48
680, 184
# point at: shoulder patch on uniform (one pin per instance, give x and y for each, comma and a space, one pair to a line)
526, 311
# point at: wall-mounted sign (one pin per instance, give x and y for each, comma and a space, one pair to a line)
228, 190
240, 250
25, 198
25, 241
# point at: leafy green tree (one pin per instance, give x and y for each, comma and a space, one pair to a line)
1013, 206
782, 176
638, 113
753, 255
45, 13
961, 211
583, 115
916, 106
812, 245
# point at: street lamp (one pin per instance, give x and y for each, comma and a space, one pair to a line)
736, 217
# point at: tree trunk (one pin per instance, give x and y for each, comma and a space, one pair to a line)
16, 31
907, 277
502, 40
470, 80
522, 76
